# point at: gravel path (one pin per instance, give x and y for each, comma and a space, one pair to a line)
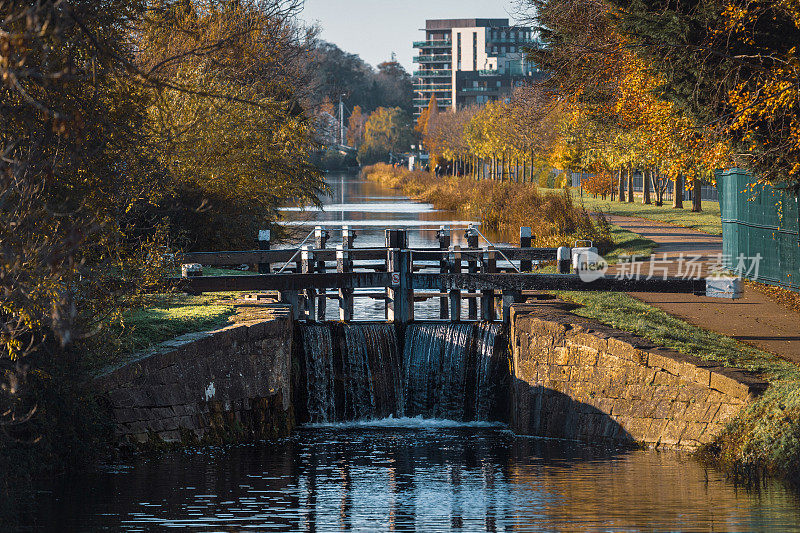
754, 319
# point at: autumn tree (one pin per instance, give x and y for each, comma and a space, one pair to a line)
128, 129
733, 65
229, 124
355, 127
388, 131
336, 73
421, 126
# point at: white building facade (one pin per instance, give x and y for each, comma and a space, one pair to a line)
471, 61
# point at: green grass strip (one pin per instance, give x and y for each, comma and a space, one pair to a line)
708, 221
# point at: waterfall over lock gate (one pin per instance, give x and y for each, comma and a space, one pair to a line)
367, 371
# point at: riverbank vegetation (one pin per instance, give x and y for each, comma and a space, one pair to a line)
765, 438
502, 207
129, 130
678, 90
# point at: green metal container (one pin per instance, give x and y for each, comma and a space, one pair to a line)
760, 219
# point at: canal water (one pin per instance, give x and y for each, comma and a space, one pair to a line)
409, 474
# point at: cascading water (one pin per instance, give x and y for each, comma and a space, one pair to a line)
451, 370
352, 372
359, 371
318, 349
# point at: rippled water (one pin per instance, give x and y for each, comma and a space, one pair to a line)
413, 475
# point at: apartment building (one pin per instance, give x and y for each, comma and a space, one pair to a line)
471, 61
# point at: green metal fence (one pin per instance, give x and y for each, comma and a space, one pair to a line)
759, 219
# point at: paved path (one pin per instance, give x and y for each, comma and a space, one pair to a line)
754, 319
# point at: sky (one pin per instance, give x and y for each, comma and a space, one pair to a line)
374, 29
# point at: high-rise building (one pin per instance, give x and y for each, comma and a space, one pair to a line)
471, 61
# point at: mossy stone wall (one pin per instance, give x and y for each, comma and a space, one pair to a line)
578, 379
218, 386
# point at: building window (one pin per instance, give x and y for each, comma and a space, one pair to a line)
502, 49
458, 50
475, 51
513, 49
499, 84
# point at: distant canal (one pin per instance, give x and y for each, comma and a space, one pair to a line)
409, 474
369, 209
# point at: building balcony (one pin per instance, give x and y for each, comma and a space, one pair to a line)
432, 44
433, 73
433, 88
477, 89
444, 58
423, 102
509, 40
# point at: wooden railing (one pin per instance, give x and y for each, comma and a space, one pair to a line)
309, 277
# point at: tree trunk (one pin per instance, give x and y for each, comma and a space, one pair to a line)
630, 185
646, 173
677, 192
620, 186
697, 195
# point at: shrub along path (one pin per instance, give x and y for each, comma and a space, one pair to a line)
754, 319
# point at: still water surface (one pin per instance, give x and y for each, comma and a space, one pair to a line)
415, 476
410, 474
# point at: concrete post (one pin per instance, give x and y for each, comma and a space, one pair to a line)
525, 241
563, 256
308, 267
487, 296
455, 294
444, 244
321, 240
472, 268
344, 264
264, 237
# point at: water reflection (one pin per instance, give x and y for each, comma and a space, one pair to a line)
431, 478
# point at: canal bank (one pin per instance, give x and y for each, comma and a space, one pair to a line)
553, 374
764, 440
411, 474
385, 472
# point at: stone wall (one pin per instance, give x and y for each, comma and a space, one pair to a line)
577, 379
229, 384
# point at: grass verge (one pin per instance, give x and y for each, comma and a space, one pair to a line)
764, 440
707, 221
163, 317
628, 243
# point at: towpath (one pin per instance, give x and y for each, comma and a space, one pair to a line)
754, 319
